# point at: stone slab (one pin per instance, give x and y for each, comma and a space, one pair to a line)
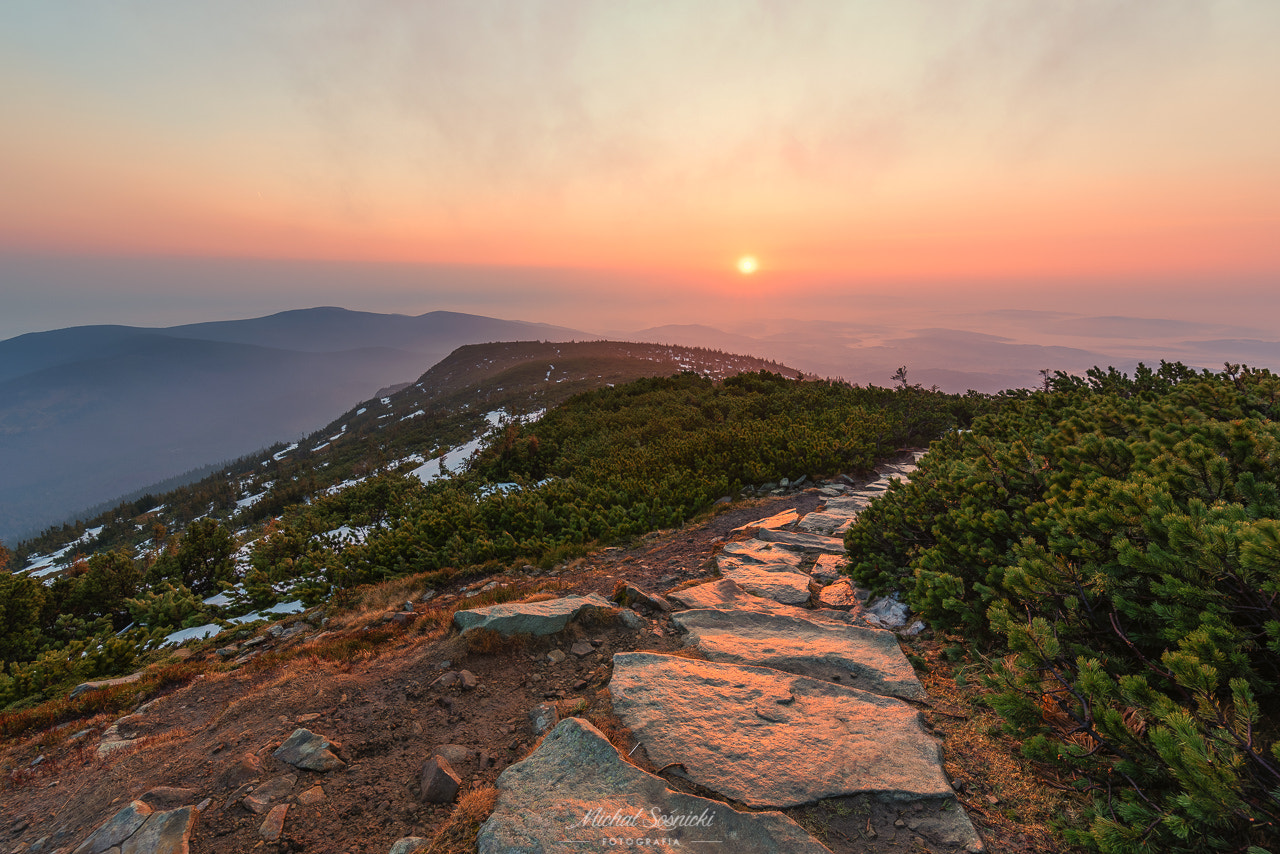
774, 739
855, 656
577, 793
827, 523
828, 568
789, 588
528, 618
728, 596
758, 552
777, 520
800, 541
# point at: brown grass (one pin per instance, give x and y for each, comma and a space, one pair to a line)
1013, 802
458, 834
111, 700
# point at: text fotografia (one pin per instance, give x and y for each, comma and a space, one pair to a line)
640, 819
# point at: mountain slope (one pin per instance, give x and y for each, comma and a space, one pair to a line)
90, 413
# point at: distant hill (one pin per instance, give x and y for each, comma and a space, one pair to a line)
445, 410
90, 413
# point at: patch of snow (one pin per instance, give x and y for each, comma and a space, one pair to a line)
251, 500
279, 455
319, 447
347, 535
361, 411
386, 401
184, 635
413, 415
338, 487
220, 599
282, 609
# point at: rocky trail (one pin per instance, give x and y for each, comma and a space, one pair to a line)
759, 698
790, 707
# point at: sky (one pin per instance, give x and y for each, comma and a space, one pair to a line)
607, 164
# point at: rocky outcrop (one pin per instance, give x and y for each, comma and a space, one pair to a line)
137, 829
528, 618
576, 790
854, 656
773, 739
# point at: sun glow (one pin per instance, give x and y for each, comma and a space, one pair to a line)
747, 265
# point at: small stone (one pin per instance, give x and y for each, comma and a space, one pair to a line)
467, 679
543, 717
408, 844
304, 749
273, 826
440, 782
556, 656
245, 769
631, 619
456, 754
447, 680
582, 648
312, 796
899, 823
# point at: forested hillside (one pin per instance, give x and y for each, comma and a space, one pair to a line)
298, 525
1110, 549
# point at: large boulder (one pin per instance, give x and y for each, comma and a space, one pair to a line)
773, 739
528, 618
576, 790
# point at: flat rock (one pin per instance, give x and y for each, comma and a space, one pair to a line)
727, 595
774, 739
259, 801
528, 618
800, 541
304, 749
789, 588
856, 656
758, 552
272, 827
312, 796
576, 790
164, 833
116, 829
777, 520
827, 523
408, 844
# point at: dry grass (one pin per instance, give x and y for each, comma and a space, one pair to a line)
1012, 801
458, 834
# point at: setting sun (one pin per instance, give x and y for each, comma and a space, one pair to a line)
747, 265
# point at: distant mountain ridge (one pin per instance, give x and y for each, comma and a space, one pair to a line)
90, 413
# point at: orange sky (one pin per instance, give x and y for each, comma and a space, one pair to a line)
927, 140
